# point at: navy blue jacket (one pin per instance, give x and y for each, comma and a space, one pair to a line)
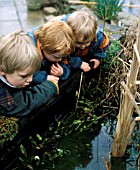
96, 50
41, 75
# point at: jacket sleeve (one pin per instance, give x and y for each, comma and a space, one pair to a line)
98, 48
39, 77
66, 71
31, 99
75, 62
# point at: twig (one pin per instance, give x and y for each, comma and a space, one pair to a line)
106, 164
94, 3
79, 89
99, 118
110, 107
104, 115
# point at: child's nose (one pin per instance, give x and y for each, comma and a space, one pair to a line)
59, 59
29, 79
82, 46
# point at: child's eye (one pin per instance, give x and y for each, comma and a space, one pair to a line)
79, 43
55, 57
23, 77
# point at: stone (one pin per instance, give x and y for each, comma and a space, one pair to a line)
52, 17
48, 18
127, 19
50, 11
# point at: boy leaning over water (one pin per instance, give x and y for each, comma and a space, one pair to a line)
19, 60
91, 41
54, 41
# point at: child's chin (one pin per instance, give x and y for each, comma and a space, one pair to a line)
22, 86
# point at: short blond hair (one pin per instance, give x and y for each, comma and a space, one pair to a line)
17, 52
83, 24
56, 37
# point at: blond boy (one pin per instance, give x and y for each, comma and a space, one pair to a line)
91, 41
19, 60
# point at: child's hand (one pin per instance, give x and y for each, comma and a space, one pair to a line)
96, 63
53, 78
85, 67
56, 70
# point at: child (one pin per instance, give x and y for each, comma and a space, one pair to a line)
19, 60
91, 42
54, 41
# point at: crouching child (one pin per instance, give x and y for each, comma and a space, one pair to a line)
19, 60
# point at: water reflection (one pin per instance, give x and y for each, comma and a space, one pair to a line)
89, 157
101, 146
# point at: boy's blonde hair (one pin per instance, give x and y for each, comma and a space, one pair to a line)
83, 24
17, 52
56, 37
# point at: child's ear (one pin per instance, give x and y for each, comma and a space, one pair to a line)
2, 73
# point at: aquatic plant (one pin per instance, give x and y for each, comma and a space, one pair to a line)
100, 99
42, 153
62, 6
106, 9
8, 129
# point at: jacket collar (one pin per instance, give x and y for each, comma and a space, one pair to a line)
6, 100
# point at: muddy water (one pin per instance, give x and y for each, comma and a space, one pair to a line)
135, 11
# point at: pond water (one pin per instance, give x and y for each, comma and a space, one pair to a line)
99, 145
85, 150
135, 11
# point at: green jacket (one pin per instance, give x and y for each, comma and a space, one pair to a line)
20, 102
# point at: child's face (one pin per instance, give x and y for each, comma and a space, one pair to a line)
55, 57
82, 45
19, 79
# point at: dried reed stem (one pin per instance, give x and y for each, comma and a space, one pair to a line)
79, 90
124, 126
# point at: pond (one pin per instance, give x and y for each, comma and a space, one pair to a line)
87, 149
